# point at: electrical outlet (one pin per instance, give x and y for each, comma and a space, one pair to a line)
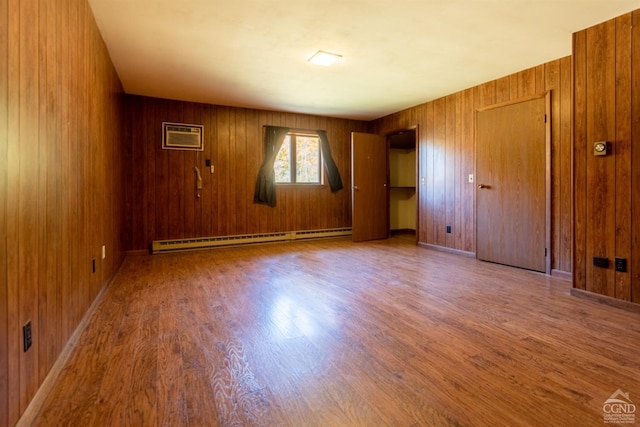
27, 337
601, 262
448, 229
621, 265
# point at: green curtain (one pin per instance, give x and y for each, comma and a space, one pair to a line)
333, 175
265, 192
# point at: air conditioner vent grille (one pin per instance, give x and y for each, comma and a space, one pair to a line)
179, 136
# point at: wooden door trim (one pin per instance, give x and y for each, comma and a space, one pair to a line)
547, 157
417, 173
513, 101
547, 96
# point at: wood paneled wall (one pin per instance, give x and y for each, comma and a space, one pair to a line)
447, 156
70, 149
4, 307
162, 196
61, 184
606, 77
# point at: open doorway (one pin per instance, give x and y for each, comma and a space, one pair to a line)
402, 178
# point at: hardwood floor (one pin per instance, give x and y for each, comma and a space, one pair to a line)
332, 333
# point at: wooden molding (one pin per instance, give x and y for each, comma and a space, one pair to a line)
606, 300
445, 249
562, 274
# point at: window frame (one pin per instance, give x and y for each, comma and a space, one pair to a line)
293, 134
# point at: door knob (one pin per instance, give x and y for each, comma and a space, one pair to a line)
481, 186
355, 187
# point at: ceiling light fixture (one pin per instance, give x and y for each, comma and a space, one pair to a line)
324, 58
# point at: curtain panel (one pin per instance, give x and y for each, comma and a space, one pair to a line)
333, 175
265, 192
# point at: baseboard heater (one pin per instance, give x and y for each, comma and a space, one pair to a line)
162, 246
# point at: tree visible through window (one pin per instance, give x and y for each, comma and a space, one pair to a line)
298, 161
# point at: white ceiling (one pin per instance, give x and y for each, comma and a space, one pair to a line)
396, 53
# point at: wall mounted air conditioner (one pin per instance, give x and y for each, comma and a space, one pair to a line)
181, 136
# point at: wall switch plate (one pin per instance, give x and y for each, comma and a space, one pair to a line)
471, 178
621, 265
27, 337
448, 229
211, 168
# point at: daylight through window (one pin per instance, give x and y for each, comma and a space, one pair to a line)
299, 159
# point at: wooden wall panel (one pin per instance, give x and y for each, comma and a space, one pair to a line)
28, 235
13, 155
580, 151
563, 223
447, 155
634, 264
426, 148
503, 89
65, 96
223, 176
450, 160
162, 193
439, 172
61, 184
4, 308
600, 215
622, 152
467, 221
606, 99
44, 170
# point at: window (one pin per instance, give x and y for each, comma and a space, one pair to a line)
299, 160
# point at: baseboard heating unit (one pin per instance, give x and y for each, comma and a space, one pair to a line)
162, 246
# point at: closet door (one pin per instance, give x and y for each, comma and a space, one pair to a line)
511, 185
369, 187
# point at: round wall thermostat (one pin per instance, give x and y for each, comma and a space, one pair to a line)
600, 148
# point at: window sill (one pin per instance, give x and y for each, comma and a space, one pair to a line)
301, 186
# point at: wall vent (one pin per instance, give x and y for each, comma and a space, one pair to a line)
162, 246
181, 136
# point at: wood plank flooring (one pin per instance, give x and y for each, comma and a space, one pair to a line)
332, 333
